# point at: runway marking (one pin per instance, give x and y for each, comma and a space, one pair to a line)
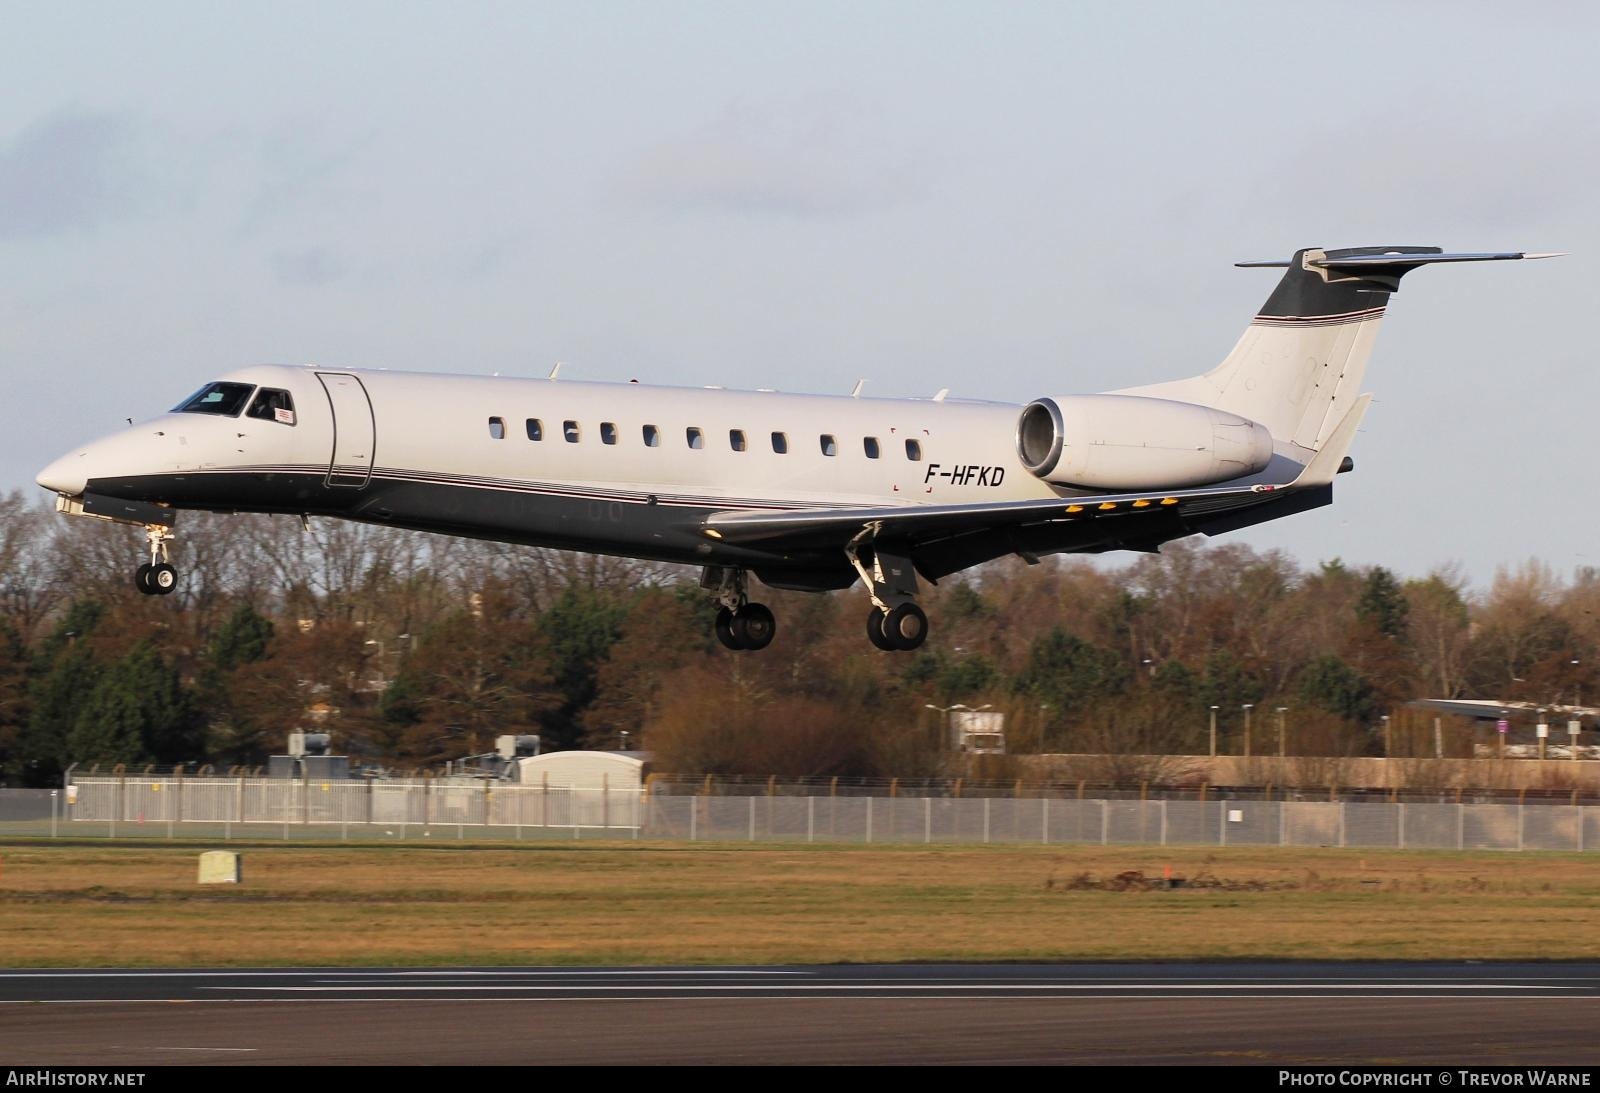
572, 999
152, 1047
903, 986
291, 973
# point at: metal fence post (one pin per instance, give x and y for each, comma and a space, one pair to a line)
1400, 823
869, 819
1521, 823
1105, 822
694, 815
927, 819
986, 820
1583, 813
1343, 806
1222, 827
1461, 826
1163, 821
752, 801
811, 819
1044, 821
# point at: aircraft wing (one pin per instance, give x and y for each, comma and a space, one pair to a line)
919, 521
1186, 511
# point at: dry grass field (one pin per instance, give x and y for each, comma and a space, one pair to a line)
677, 903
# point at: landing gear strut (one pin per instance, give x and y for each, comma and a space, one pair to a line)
741, 625
158, 576
895, 623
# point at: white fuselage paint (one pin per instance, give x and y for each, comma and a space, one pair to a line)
441, 427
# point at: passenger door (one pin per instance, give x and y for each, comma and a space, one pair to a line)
354, 430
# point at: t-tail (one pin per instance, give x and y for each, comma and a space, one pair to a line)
1298, 368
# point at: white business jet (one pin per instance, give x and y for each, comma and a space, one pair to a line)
807, 492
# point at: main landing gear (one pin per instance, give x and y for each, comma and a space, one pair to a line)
741, 625
895, 623
158, 576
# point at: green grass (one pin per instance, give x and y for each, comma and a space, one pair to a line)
139, 904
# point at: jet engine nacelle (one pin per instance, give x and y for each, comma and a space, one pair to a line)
1128, 442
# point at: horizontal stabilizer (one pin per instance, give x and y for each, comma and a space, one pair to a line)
1382, 267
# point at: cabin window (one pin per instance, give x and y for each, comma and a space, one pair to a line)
569, 429
497, 428
608, 432
829, 445
226, 399
736, 439
652, 437
272, 405
696, 438
780, 443
870, 446
535, 429
914, 451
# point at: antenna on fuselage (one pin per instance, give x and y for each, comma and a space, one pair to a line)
943, 391
556, 371
857, 392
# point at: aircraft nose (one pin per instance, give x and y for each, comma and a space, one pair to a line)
66, 475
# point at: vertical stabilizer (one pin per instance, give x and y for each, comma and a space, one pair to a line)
1299, 366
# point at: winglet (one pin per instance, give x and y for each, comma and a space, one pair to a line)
1325, 464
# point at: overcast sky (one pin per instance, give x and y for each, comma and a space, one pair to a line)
1009, 200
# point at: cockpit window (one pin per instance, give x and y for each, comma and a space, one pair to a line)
217, 398
272, 405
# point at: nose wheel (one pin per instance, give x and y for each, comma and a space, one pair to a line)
158, 576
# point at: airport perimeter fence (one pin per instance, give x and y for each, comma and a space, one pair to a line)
256, 808
675, 785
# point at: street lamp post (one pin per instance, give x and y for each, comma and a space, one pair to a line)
1282, 734
1248, 706
1213, 732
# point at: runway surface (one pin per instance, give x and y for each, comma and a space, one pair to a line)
1278, 1014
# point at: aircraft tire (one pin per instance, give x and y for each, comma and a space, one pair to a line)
162, 579
724, 628
875, 633
754, 626
906, 626
141, 579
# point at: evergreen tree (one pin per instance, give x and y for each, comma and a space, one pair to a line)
136, 712
1382, 604
1065, 672
243, 639
1328, 683
579, 629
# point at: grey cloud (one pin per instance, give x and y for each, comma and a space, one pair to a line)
313, 266
73, 170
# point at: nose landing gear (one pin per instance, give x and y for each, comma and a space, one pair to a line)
158, 576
